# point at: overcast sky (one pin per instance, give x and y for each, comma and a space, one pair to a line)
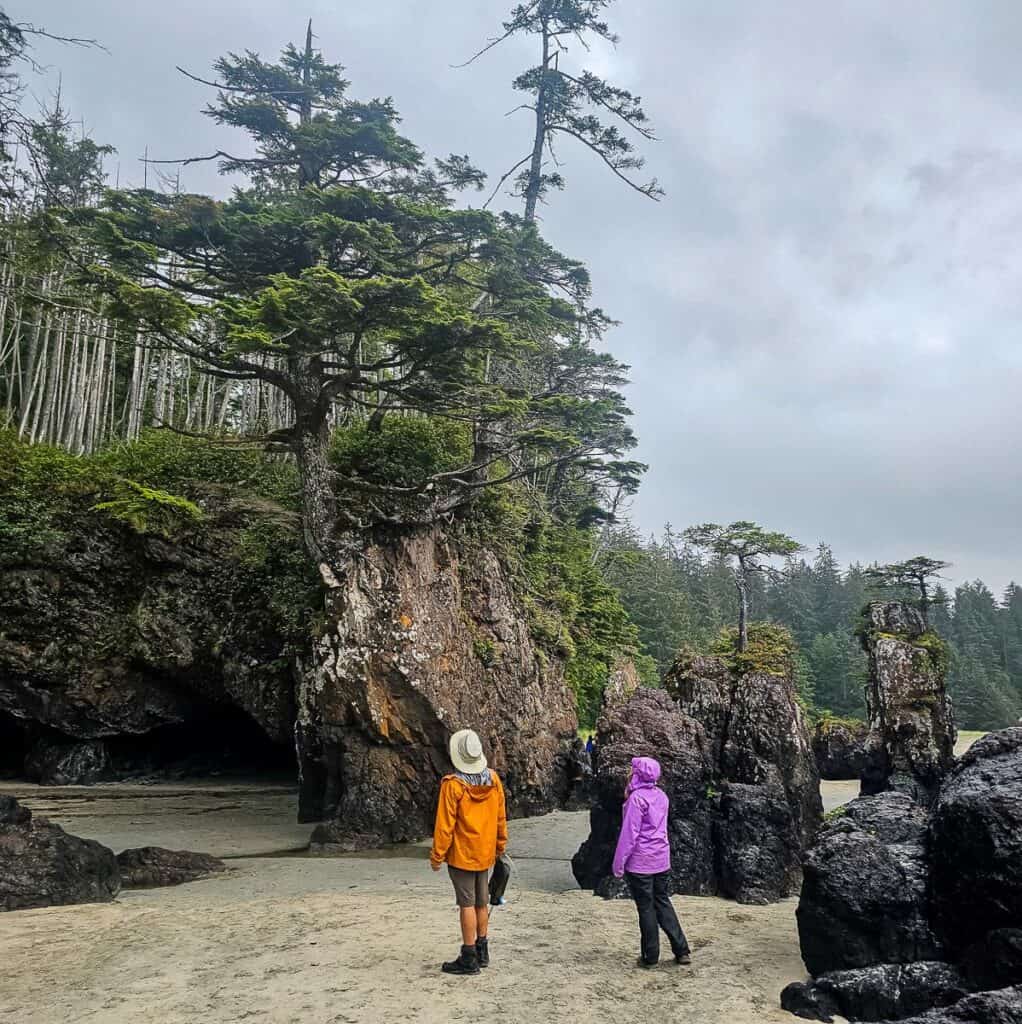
822, 316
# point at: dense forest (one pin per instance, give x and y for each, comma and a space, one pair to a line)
679, 598
397, 355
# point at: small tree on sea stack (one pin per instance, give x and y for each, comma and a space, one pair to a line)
748, 544
915, 573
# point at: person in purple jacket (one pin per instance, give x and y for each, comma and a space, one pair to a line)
643, 857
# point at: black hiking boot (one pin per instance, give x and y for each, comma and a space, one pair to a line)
684, 959
483, 952
643, 964
467, 962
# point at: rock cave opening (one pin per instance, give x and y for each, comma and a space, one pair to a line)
13, 745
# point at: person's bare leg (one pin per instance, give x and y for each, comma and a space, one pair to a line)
482, 921
469, 927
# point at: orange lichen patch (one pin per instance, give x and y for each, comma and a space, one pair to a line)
405, 620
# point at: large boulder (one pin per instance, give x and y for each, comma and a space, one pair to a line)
150, 867
882, 993
427, 635
1003, 1006
865, 894
912, 731
977, 841
52, 762
649, 724
42, 866
764, 767
839, 746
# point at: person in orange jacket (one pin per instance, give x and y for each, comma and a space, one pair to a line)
470, 834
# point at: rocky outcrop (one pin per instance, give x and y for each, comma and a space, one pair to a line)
150, 867
770, 805
622, 681
738, 770
579, 778
912, 732
890, 882
883, 993
977, 842
110, 633
839, 746
865, 895
649, 724
428, 637
53, 762
42, 866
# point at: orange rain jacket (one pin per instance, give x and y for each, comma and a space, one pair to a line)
471, 824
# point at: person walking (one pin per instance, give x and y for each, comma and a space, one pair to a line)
643, 858
470, 834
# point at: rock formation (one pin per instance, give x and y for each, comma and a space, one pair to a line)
912, 732
42, 866
435, 639
120, 639
739, 771
891, 886
839, 746
150, 867
649, 724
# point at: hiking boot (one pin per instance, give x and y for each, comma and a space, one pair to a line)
467, 962
684, 959
642, 963
483, 952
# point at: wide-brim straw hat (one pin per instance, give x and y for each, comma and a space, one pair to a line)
467, 752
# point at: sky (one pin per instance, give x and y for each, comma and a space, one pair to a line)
823, 316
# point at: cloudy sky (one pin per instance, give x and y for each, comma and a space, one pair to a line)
822, 316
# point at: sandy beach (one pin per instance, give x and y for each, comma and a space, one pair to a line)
285, 937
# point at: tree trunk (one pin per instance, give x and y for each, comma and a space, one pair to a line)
532, 188
743, 609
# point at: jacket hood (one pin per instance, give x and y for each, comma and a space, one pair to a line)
473, 792
645, 772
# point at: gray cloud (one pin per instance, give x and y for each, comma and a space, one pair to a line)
823, 314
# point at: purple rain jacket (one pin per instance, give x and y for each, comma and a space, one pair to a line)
642, 847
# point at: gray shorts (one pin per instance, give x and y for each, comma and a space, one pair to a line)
471, 888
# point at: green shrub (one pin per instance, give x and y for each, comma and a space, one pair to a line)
771, 649
149, 510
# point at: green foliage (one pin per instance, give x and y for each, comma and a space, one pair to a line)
771, 650
405, 450
149, 510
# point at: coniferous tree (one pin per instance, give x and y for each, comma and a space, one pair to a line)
577, 106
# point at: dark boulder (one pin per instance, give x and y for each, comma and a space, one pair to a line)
53, 762
649, 724
42, 866
865, 894
839, 748
911, 742
995, 961
1003, 1006
150, 867
881, 993
578, 775
977, 841
757, 845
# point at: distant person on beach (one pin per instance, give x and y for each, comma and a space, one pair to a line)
643, 858
590, 746
470, 834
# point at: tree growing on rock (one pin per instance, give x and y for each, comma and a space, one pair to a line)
580, 106
748, 545
915, 574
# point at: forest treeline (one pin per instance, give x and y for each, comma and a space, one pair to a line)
680, 598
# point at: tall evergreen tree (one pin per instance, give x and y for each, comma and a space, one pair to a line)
579, 106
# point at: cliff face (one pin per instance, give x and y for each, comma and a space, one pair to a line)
428, 638
114, 636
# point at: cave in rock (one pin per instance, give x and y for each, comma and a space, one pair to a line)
219, 740
13, 745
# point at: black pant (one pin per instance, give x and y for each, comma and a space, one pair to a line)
654, 907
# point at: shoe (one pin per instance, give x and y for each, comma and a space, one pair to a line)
685, 959
483, 952
642, 963
467, 962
